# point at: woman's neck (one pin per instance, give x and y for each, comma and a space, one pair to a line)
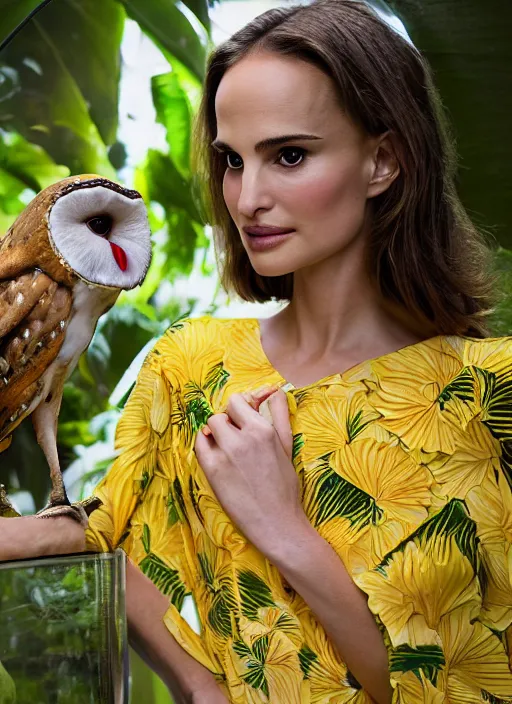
335, 320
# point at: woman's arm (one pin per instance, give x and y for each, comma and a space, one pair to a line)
314, 570
242, 456
188, 681
28, 536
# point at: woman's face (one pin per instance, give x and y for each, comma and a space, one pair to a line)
313, 176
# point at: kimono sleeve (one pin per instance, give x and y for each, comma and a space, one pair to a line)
137, 438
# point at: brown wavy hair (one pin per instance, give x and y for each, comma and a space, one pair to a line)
424, 252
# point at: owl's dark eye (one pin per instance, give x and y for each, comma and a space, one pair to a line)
100, 225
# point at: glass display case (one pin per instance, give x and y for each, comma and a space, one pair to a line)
63, 637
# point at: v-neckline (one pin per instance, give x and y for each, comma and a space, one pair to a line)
336, 376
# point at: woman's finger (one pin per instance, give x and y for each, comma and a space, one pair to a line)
208, 453
257, 396
243, 407
220, 426
276, 406
253, 398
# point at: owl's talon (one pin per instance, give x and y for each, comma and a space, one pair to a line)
90, 504
75, 511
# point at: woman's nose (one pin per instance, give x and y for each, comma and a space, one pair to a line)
254, 194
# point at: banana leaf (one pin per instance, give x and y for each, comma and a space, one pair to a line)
14, 12
172, 32
59, 82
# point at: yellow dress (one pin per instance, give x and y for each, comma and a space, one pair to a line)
405, 463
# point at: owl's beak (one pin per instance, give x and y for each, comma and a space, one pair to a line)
119, 256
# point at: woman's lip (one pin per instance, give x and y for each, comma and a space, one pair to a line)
261, 231
264, 242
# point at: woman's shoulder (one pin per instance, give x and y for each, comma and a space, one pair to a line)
198, 350
438, 354
493, 354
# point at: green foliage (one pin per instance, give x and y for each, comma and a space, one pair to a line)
42, 97
146, 686
7, 688
28, 163
13, 12
502, 319
172, 31
60, 81
174, 112
467, 43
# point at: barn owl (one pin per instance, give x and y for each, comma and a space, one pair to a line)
63, 263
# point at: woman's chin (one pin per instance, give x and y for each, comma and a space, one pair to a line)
271, 270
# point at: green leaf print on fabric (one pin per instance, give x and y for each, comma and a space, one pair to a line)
298, 444
497, 413
223, 602
164, 577
488, 697
216, 379
487, 382
336, 497
197, 407
193, 410
428, 659
461, 387
254, 594
506, 461
255, 661
452, 521
173, 512
356, 425
306, 658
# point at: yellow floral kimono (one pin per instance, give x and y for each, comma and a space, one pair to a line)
405, 463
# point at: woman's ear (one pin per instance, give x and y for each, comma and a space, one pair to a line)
385, 165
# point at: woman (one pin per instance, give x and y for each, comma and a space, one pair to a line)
359, 548
352, 543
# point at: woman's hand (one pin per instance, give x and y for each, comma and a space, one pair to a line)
247, 461
253, 478
210, 695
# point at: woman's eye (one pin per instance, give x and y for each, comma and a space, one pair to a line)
292, 156
234, 161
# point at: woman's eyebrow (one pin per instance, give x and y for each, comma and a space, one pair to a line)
266, 143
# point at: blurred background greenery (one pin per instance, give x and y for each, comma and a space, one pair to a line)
111, 87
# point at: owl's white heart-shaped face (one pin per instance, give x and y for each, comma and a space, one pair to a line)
102, 234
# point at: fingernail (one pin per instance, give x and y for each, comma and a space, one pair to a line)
247, 396
206, 430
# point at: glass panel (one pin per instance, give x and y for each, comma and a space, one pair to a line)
63, 633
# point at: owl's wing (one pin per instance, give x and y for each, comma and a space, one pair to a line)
18, 296
34, 311
14, 251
